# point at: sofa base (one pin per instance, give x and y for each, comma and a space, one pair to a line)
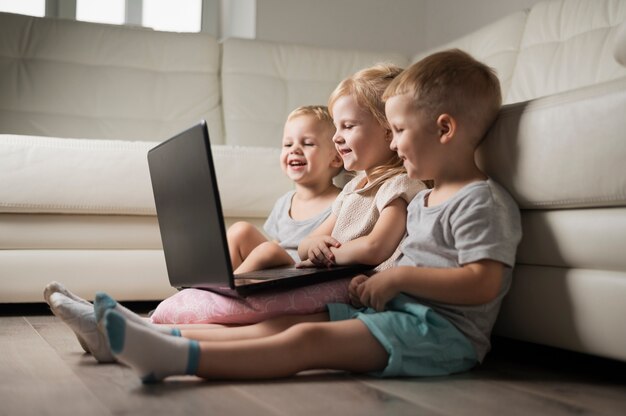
124, 274
577, 309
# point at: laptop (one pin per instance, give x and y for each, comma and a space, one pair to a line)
192, 224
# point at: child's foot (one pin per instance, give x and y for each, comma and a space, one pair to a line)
151, 354
54, 287
82, 320
105, 302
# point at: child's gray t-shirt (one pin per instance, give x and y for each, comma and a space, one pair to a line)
481, 221
285, 230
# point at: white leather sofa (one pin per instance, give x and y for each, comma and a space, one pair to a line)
81, 103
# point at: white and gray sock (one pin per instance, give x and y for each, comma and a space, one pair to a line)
105, 302
81, 319
54, 287
151, 354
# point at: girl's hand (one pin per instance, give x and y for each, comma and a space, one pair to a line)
319, 250
353, 291
304, 264
376, 291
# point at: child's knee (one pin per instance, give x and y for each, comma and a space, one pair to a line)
270, 249
305, 334
240, 230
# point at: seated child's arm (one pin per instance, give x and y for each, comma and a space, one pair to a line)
380, 243
317, 243
471, 284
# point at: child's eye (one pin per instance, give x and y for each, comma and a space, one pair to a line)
286, 144
309, 144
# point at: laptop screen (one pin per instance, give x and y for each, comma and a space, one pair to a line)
189, 210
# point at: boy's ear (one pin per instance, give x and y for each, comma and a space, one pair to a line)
446, 125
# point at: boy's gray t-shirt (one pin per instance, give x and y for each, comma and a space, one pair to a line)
285, 230
482, 221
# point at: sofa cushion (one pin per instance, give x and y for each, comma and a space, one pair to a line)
262, 82
496, 44
52, 175
562, 151
619, 48
567, 44
66, 78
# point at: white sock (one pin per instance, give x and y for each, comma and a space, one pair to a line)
54, 287
82, 320
151, 354
105, 302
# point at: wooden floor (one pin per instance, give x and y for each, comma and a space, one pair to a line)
44, 371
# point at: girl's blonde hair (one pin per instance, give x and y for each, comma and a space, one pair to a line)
367, 87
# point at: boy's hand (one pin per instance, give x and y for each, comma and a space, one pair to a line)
376, 291
353, 291
319, 250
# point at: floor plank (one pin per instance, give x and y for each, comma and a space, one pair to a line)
327, 393
43, 370
123, 393
34, 380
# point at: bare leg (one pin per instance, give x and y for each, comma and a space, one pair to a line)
265, 256
262, 329
242, 238
344, 345
183, 327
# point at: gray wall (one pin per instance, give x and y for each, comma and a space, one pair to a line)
408, 26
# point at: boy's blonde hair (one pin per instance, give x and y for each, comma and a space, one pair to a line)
367, 87
452, 82
318, 112
321, 114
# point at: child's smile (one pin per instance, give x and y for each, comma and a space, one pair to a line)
297, 164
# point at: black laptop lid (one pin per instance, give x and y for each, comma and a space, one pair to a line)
189, 210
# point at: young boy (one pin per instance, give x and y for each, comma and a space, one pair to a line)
309, 159
430, 315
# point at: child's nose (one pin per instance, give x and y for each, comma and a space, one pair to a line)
393, 145
337, 138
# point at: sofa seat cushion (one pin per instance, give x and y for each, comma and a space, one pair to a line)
88, 176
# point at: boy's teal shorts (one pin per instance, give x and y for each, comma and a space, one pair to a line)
419, 341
